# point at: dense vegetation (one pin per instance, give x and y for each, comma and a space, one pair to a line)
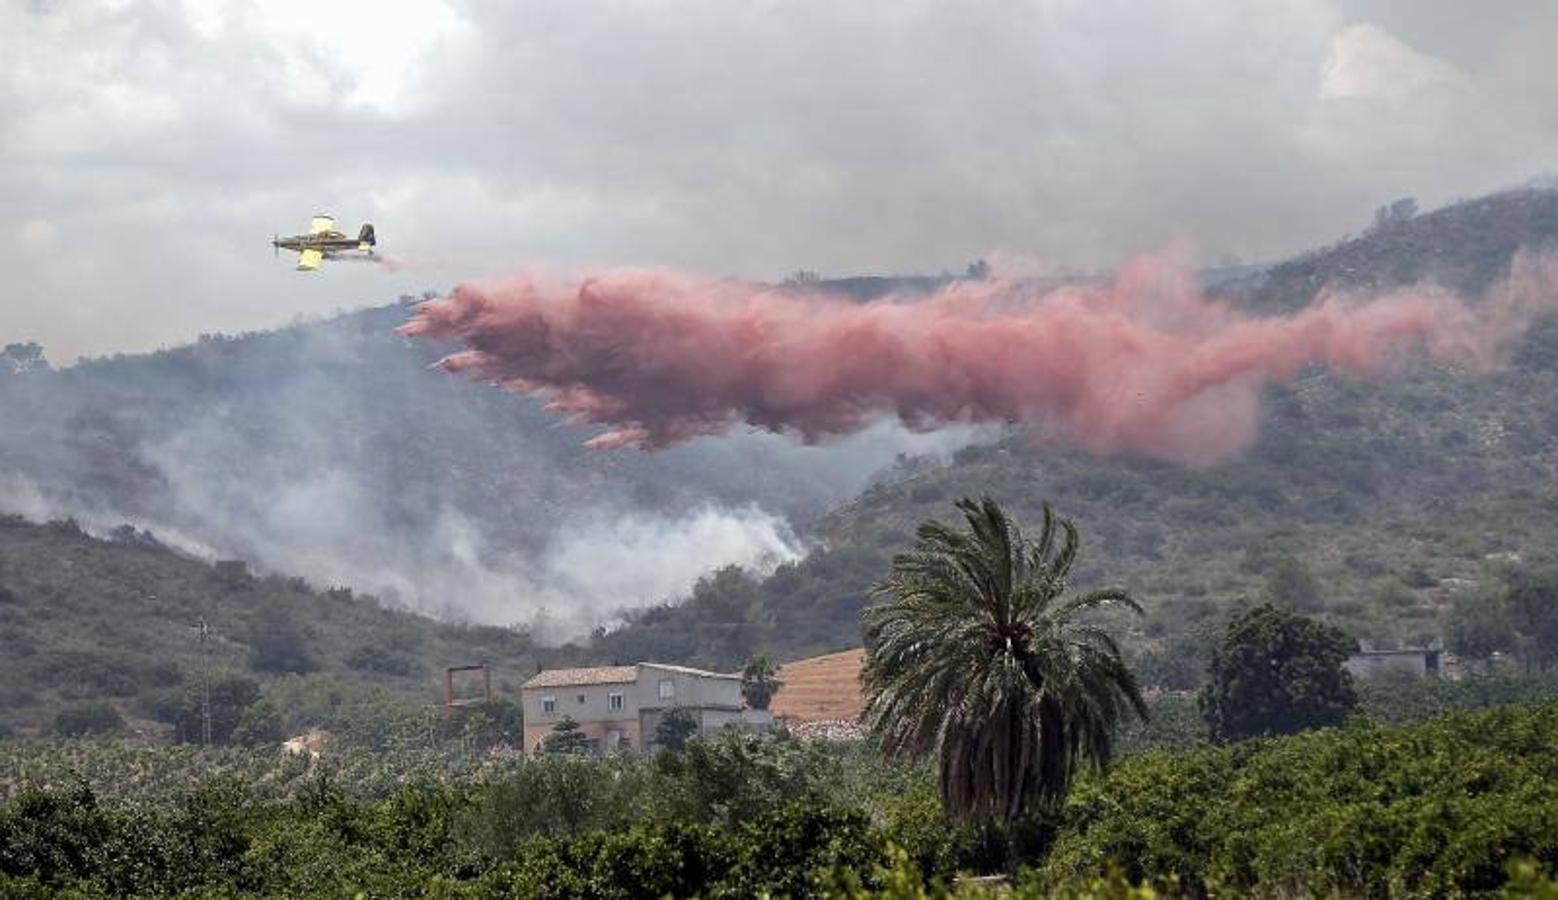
1439, 807
1426, 810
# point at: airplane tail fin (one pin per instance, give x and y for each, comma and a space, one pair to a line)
365, 238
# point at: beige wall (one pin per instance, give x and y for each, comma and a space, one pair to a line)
716, 702
594, 710
595, 706
690, 690
600, 732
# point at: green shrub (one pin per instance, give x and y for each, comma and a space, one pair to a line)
565, 738
184, 709
277, 644
558, 795
1276, 673
1292, 585
261, 724
370, 658
1403, 697
676, 726
485, 725
358, 714
88, 718
734, 776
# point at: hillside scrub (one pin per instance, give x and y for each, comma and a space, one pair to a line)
92, 621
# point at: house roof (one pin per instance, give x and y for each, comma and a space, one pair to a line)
688, 670
610, 675
589, 675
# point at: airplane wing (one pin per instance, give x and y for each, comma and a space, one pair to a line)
309, 260
321, 223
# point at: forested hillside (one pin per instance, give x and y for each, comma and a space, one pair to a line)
103, 633
1370, 504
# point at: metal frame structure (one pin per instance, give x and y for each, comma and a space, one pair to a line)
450, 703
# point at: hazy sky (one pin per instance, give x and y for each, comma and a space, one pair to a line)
148, 150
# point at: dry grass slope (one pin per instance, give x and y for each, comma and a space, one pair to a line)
822, 688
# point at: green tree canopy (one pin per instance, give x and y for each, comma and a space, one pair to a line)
496, 721
1292, 585
278, 644
231, 698
22, 357
88, 718
976, 653
1478, 625
566, 737
675, 728
1532, 604
760, 681
1277, 672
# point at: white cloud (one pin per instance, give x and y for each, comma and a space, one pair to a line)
169, 139
356, 53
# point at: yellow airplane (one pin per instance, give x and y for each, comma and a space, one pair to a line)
323, 242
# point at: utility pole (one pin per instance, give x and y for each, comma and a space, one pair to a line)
204, 635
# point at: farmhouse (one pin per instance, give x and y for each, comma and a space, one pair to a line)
619, 707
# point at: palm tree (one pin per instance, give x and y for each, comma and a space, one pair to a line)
975, 653
760, 681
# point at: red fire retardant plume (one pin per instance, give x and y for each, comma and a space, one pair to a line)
1144, 365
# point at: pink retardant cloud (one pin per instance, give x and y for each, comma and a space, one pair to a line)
1144, 365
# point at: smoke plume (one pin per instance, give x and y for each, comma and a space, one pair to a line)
1146, 364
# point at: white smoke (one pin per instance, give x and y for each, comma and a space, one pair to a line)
330, 452
609, 562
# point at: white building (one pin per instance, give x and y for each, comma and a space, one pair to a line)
1369, 663
617, 704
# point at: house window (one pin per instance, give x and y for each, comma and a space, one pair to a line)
581, 699
549, 704
667, 689
614, 701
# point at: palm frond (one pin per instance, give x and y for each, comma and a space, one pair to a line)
974, 657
